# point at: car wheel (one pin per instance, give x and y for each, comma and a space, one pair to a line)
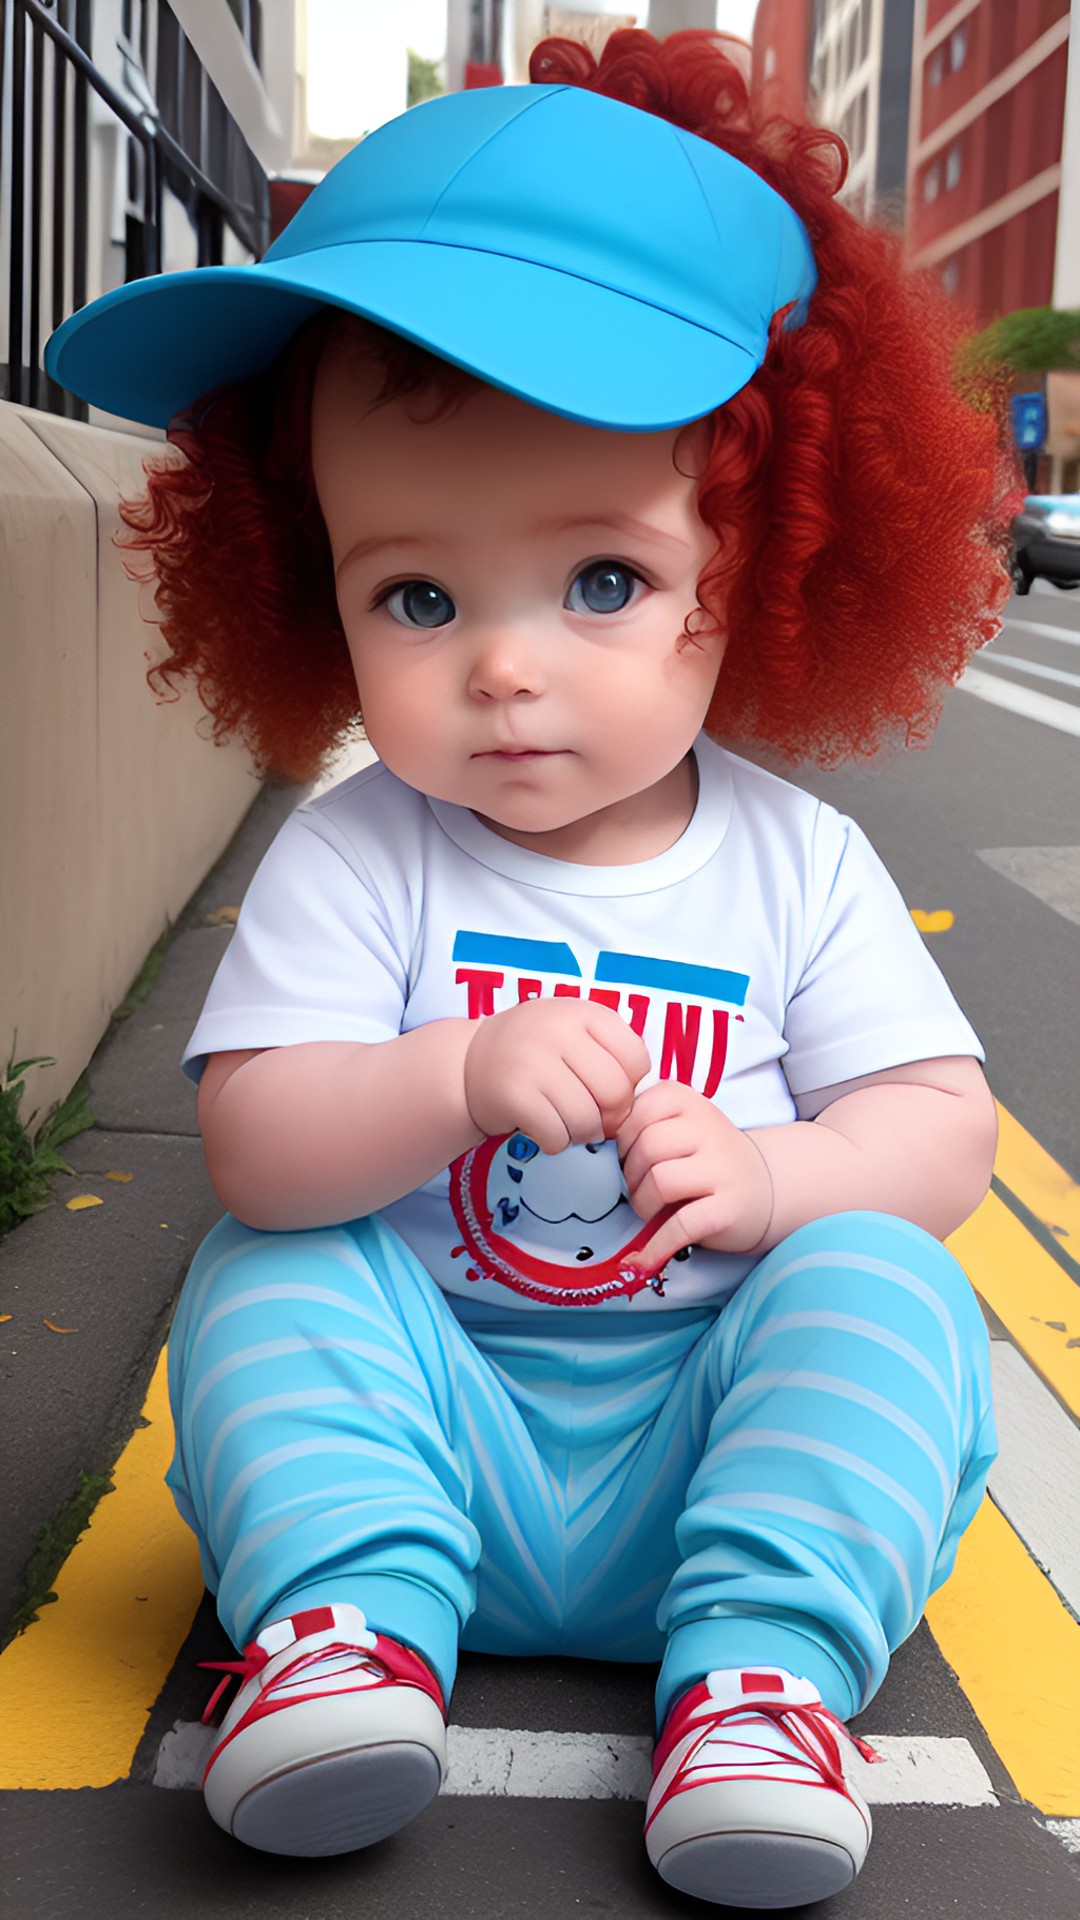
1021, 578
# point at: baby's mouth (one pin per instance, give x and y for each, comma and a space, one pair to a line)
516, 753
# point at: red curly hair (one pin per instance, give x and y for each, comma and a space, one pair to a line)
860, 502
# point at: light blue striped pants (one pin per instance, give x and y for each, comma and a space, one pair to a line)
783, 1482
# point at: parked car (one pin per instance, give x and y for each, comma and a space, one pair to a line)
1046, 541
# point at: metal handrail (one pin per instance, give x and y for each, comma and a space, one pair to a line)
27, 382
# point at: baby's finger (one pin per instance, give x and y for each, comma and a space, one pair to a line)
539, 1120
626, 1046
608, 1083
680, 1229
664, 1143
572, 1099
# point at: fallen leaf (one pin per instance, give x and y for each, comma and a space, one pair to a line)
53, 1328
222, 917
938, 921
119, 1176
83, 1200
5, 1316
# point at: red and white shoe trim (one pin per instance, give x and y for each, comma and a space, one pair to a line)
750, 1795
319, 1696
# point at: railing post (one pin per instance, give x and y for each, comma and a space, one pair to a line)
17, 226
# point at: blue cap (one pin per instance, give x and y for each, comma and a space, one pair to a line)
583, 254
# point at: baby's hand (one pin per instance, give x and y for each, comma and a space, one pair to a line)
561, 1071
678, 1150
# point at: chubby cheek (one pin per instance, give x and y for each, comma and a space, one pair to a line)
374, 707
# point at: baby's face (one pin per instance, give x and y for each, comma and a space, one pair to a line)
514, 588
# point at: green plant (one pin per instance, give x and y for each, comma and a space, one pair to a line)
424, 81
29, 1155
139, 989
1031, 340
52, 1545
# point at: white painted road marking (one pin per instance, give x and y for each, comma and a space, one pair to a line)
501, 1763
1023, 700
1033, 666
1044, 632
1036, 1478
1052, 874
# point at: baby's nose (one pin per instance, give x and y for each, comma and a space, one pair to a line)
506, 663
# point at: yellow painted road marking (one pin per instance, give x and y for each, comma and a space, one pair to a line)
77, 1687
1030, 1293
1016, 1653
1048, 1192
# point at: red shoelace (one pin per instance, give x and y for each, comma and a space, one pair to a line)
397, 1663
800, 1723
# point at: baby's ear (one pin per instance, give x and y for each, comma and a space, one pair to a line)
692, 446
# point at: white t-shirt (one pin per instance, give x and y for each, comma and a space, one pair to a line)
767, 953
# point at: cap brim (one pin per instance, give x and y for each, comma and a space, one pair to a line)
153, 347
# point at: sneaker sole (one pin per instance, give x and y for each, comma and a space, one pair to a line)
338, 1803
330, 1774
762, 1870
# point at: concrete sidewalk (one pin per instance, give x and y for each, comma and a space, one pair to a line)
111, 1272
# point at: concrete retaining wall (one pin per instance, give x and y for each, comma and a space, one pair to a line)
112, 807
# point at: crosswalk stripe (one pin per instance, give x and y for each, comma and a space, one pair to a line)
1060, 674
1042, 629
1023, 700
504, 1763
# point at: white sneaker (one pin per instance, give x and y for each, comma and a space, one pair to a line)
335, 1739
750, 1805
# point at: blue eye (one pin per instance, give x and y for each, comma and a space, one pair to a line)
419, 603
604, 587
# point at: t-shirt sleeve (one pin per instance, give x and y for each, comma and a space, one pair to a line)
869, 994
313, 956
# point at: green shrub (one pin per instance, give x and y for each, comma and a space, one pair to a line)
29, 1155
1031, 340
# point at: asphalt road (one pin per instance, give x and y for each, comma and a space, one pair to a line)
982, 832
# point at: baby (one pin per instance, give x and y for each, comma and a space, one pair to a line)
588, 1112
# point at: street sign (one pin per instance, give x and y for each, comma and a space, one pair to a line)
1029, 419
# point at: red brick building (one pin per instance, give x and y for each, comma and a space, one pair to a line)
781, 58
985, 145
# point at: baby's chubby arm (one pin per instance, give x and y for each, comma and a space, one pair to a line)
916, 1140
324, 1131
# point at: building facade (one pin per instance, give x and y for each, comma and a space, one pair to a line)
989, 81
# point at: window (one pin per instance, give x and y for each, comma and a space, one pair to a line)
931, 185
864, 29
954, 165
936, 69
950, 277
958, 46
